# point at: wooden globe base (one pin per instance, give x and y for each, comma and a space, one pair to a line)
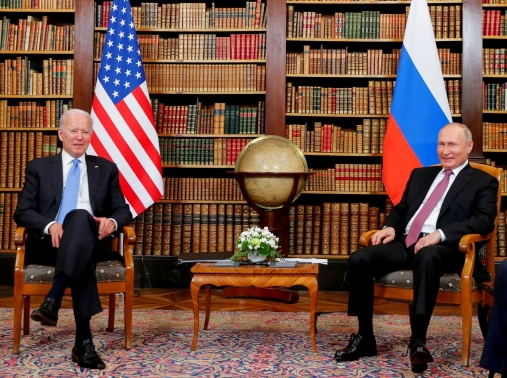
268, 218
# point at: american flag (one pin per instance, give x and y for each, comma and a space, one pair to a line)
123, 125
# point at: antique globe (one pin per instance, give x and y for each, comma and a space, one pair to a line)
270, 166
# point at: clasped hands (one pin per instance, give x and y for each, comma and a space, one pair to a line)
387, 235
106, 228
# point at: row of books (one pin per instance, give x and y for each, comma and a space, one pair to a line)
353, 25
494, 61
501, 239
494, 136
8, 203
206, 77
494, 23
19, 147
370, 62
32, 113
347, 178
216, 119
196, 46
453, 89
21, 76
201, 189
37, 4
446, 22
172, 229
33, 34
190, 16
493, 96
330, 228
367, 138
373, 99
201, 151
494, 2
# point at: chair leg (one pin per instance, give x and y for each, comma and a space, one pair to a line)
26, 315
466, 324
127, 314
17, 313
112, 307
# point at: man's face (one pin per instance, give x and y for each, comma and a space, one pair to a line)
76, 134
452, 148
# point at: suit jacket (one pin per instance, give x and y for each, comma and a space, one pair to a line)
41, 195
469, 206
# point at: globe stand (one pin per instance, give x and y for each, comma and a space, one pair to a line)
269, 218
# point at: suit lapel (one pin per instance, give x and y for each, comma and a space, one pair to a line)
93, 171
460, 182
55, 173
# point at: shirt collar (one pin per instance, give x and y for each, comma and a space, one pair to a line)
457, 170
66, 158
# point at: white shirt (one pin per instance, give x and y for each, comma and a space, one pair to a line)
430, 224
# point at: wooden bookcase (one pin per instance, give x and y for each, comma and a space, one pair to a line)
276, 116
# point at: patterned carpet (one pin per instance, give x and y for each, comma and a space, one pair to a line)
237, 344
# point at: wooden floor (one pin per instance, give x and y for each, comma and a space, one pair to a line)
179, 299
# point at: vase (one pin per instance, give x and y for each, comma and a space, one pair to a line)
255, 257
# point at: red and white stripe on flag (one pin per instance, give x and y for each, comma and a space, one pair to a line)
123, 127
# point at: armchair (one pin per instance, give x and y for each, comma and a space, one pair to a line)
112, 277
454, 289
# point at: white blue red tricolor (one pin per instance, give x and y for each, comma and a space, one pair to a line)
420, 107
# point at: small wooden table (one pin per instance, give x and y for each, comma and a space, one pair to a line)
252, 275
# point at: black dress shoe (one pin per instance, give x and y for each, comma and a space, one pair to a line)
47, 314
86, 356
419, 356
358, 347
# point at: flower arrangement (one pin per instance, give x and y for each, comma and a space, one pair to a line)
257, 244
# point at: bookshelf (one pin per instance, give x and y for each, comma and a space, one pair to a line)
195, 110
494, 81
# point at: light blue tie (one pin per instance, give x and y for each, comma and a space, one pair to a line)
70, 192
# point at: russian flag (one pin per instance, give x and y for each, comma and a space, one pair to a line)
419, 108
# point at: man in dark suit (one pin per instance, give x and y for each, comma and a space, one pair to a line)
494, 354
72, 238
464, 203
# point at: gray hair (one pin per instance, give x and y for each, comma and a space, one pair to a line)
467, 134
70, 112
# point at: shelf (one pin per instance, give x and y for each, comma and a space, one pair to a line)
27, 97
495, 76
31, 10
343, 193
368, 40
10, 190
198, 166
28, 128
337, 115
207, 61
37, 52
214, 136
494, 36
494, 111
209, 93
346, 154
162, 30
202, 201
357, 2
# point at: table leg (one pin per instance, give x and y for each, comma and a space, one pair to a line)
207, 289
314, 291
194, 292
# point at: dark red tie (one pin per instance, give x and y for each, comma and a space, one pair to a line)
426, 210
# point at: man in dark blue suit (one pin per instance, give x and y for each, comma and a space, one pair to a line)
75, 244
466, 204
494, 355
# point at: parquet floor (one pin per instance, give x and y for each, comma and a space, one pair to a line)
179, 299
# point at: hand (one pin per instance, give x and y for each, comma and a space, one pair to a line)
431, 239
106, 227
56, 232
383, 236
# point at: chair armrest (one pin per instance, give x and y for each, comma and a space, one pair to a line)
365, 239
19, 241
467, 245
129, 240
